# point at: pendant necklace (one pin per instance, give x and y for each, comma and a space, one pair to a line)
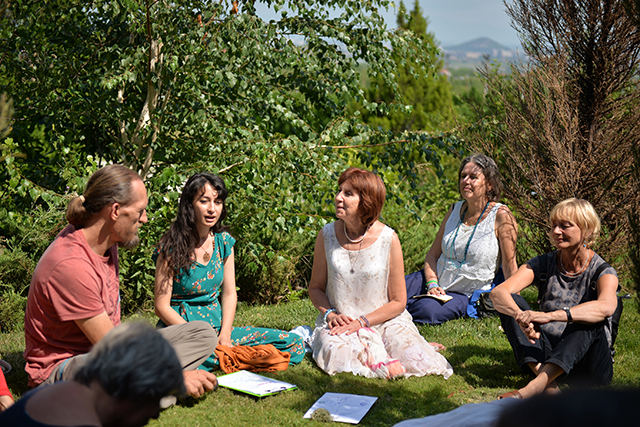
352, 261
207, 256
359, 240
450, 244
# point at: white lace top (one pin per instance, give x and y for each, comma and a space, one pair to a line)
364, 290
371, 350
457, 274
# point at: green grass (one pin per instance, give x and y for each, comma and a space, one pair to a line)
478, 351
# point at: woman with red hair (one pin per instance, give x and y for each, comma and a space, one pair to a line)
357, 285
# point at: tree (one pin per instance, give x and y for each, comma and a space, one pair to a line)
429, 95
173, 87
633, 10
564, 124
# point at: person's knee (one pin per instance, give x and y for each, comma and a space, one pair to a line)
204, 332
427, 311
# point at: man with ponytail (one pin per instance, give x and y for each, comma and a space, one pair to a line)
74, 298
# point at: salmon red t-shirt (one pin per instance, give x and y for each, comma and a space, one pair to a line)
70, 282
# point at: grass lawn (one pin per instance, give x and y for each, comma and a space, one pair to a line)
483, 364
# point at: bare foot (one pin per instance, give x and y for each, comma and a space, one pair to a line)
552, 389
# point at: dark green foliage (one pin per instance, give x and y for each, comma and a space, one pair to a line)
429, 95
12, 308
173, 88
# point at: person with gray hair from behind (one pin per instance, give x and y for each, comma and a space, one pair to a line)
120, 383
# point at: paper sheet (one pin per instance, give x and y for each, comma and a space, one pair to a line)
344, 408
253, 384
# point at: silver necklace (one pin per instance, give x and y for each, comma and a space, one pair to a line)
577, 273
359, 240
351, 260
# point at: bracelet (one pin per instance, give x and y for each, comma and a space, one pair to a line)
361, 324
569, 317
366, 321
432, 281
434, 284
326, 313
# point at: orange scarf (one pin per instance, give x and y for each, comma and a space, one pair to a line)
259, 358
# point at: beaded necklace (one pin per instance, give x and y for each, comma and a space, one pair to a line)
451, 242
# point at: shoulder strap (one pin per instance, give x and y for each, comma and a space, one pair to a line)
544, 273
596, 275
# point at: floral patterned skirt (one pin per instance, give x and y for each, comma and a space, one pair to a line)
373, 352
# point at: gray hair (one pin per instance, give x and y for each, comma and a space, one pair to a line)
133, 362
490, 172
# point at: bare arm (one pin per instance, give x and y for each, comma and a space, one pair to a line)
507, 234
162, 293
431, 260
228, 299
606, 304
504, 303
587, 312
501, 294
318, 282
397, 288
95, 327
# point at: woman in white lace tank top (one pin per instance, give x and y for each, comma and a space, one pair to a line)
475, 237
357, 285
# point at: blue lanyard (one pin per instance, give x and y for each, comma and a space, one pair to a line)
451, 242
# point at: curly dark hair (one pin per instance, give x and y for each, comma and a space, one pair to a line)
179, 242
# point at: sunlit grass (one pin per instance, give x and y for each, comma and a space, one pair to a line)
480, 354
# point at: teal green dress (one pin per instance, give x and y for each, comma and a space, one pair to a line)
196, 296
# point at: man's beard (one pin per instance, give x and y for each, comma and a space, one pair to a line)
130, 244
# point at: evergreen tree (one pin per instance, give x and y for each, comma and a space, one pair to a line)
429, 95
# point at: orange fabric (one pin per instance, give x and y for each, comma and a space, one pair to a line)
259, 358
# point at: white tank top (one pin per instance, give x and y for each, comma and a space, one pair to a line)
466, 275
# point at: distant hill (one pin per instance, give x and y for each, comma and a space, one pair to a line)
482, 44
474, 52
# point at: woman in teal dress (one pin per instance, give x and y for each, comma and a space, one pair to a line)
195, 272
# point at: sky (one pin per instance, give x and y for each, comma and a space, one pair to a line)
453, 21
458, 21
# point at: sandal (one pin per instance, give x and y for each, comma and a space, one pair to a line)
515, 394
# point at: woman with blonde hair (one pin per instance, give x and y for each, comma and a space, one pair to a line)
566, 339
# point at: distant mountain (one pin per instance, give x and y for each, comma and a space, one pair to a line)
482, 45
475, 52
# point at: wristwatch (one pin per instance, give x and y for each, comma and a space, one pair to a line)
569, 317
